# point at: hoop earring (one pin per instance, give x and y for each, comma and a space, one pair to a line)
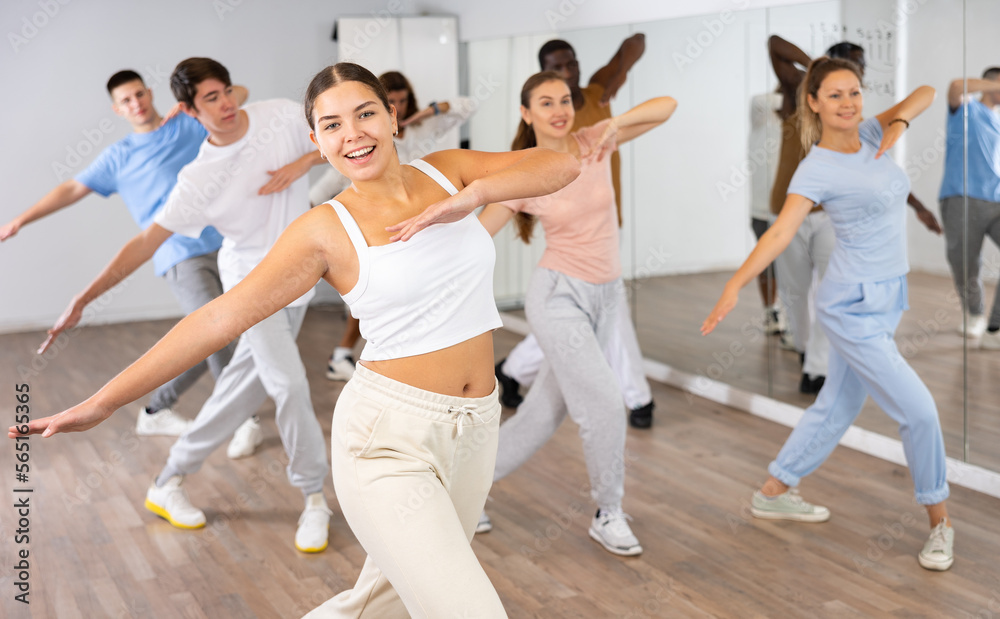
395, 133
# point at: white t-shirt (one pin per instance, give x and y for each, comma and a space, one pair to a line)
763, 146
219, 188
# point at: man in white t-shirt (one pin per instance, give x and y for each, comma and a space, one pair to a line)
227, 187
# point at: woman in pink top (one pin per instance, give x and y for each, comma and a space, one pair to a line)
574, 297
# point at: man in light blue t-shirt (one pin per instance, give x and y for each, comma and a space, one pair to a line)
979, 157
143, 168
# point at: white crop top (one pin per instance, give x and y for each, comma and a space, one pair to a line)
429, 293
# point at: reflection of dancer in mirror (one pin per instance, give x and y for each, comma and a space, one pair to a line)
222, 188
983, 152
143, 167
420, 133
420, 415
859, 302
814, 241
591, 105
762, 154
574, 299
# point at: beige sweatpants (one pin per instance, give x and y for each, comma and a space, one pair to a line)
412, 470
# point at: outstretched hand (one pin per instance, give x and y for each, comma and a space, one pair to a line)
83, 416
8, 230
890, 136
725, 305
283, 177
927, 218
174, 111
70, 318
452, 208
599, 146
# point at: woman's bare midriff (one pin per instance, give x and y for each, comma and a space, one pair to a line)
463, 370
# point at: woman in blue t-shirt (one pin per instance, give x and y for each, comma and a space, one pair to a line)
860, 300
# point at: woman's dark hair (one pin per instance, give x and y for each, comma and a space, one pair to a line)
525, 138
338, 74
394, 80
193, 71
123, 77
810, 127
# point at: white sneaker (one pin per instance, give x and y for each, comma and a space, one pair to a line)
171, 503
246, 439
973, 326
314, 525
485, 525
774, 321
939, 552
611, 530
340, 369
163, 422
990, 341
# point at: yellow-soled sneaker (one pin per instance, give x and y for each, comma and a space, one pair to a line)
314, 525
170, 502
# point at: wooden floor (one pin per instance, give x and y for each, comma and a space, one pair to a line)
670, 310
96, 552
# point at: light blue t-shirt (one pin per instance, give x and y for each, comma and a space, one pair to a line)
984, 153
865, 199
143, 168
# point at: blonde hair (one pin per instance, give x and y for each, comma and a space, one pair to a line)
810, 126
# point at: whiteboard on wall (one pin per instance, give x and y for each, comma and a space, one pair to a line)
424, 49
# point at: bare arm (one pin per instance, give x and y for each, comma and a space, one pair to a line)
483, 178
957, 89
290, 269
769, 247
64, 194
612, 76
924, 214
136, 252
907, 109
637, 121
784, 58
286, 175
494, 217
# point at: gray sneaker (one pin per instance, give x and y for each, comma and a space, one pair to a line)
485, 525
787, 506
938, 553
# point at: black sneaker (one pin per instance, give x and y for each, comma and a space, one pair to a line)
641, 417
811, 385
509, 388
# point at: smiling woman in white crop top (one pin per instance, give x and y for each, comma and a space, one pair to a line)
420, 416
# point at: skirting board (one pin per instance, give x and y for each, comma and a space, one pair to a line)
867, 442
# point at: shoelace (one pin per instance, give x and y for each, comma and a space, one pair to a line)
460, 412
617, 522
794, 497
312, 512
938, 539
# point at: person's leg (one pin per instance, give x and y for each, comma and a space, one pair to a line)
821, 245
537, 419
237, 395
412, 508
276, 355
794, 270
625, 357
959, 248
765, 281
573, 321
341, 363
990, 216
194, 282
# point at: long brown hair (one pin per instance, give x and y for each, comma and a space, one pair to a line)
810, 127
525, 138
394, 80
337, 74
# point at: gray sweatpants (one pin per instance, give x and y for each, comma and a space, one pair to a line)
984, 220
194, 282
266, 363
573, 321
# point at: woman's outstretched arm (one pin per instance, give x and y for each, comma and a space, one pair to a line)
906, 110
769, 247
295, 263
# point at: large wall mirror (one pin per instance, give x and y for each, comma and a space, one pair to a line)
691, 188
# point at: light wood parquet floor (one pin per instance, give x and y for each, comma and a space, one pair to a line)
96, 552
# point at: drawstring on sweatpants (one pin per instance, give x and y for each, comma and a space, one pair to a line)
460, 412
